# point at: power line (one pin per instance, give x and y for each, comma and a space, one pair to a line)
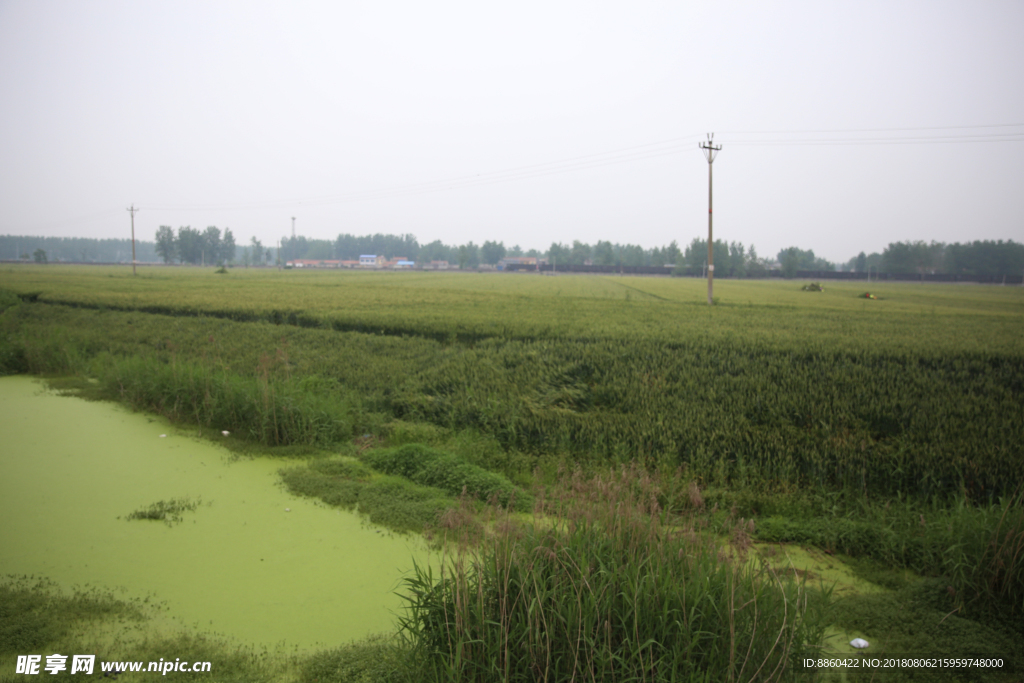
934, 139
870, 130
515, 173
621, 155
626, 155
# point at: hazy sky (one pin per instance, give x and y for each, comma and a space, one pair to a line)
525, 122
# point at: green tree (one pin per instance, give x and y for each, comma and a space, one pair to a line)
190, 245
166, 244
737, 264
472, 255
756, 267
912, 257
604, 254
492, 252
632, 255
985, 258
436, 251
211, 245
558, 253
789, 259
696, 255
256, 250
227, 247
672, 254
580, 253
794, 259
39, 255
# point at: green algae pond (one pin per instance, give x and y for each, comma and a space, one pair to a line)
249, 560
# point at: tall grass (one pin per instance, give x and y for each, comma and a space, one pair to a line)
270, 410
611, 593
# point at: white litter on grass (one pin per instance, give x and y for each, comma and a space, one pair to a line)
287, 509
225, 432
163, 436
859, 643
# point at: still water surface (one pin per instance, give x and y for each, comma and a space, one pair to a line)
241, 565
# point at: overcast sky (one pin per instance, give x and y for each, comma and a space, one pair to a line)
524, 122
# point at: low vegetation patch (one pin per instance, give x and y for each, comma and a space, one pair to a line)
34, 612
383, 658
390, 501
920, 619
977, 549
167, 511
37, 617
436, 468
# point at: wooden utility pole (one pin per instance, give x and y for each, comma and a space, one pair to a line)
132, 211
710, 151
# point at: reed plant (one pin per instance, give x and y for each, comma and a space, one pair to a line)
613, 591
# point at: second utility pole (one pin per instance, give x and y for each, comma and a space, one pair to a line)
132, 211
709, 153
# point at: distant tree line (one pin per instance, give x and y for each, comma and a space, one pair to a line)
190, 245
349, 247
733, 260
793, 259
986, 259
74, 249
981, 258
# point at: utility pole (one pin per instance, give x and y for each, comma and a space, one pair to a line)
293, 227
132, 211
710, 151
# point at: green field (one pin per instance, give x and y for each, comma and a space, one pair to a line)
889, 429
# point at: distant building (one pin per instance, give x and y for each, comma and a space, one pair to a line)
437, 265
371, 261
316, 263
517, 260
399, 262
